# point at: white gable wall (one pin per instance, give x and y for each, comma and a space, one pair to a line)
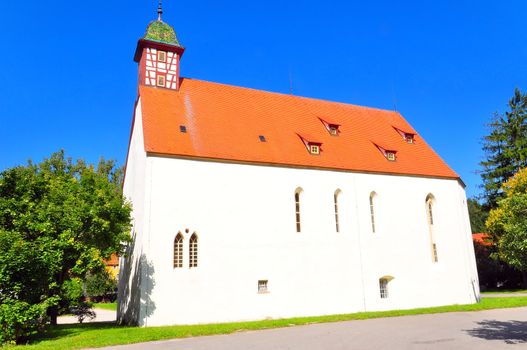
134, 188
244, 216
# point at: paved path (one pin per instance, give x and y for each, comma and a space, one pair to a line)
492, 329
500, 295
101, 316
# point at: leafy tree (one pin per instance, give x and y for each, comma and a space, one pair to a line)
58, 220
508, 222
505, 148
477, 214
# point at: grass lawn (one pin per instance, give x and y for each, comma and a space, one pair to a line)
104, 334
105, 306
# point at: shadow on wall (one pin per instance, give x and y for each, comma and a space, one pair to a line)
136, 285
511, 332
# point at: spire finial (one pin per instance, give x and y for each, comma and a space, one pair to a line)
159, 11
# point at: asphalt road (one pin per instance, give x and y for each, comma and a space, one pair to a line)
492, 329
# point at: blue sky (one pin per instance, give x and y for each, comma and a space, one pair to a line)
69, 80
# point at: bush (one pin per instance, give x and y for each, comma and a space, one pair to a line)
100, 285
19, 319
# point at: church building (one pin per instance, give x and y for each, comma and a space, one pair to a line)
251, 205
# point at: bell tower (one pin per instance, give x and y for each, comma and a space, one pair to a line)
158, 54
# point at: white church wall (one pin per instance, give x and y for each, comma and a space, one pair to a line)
134, 188
244, 216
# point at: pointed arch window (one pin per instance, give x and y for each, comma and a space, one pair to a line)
429, 206
336, 202
178, 251
193, 251
373, 197
297, 209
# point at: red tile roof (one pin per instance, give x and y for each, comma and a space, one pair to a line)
481, 238
224, 122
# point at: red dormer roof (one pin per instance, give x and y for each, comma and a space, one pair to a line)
223, 122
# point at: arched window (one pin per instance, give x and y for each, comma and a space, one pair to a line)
297, 208
193, 251
373, 197
178, 251
429, 206
336, 201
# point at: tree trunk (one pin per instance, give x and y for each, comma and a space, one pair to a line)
524, 279
52, 313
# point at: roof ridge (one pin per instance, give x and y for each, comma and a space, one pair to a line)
344, 104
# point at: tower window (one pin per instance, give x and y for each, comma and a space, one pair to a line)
161, 80
372, 211
297, 208
262, 286
383, 287
336, 202
161, 56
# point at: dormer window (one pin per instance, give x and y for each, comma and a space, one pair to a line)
314, 149
332, 128
388, 154
408, 137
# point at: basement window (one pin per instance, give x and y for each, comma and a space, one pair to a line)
262, 287
183, 128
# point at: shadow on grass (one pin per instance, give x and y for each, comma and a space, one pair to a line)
511, 332
68, 330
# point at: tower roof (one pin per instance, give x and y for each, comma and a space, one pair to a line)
161, 32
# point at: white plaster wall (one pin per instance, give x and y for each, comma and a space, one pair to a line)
244, 216
134, 187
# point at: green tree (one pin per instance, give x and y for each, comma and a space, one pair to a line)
58, 220
505, 148
478, 215
507, 223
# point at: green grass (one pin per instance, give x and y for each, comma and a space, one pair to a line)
104, 334
105, 306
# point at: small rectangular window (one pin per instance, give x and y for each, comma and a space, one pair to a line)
162, 56
390, 156
262, 286
161, 80
183, 128
409, 138
262, 138
333, 130
434, 252
314, 149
